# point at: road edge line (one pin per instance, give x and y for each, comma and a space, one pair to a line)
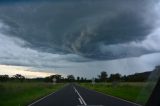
45, 97
40, 99
112, 96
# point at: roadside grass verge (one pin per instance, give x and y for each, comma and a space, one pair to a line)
22, 94
134, 92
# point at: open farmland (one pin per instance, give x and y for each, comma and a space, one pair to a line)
135, 92
21, 94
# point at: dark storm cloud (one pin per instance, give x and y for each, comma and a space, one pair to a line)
78, 27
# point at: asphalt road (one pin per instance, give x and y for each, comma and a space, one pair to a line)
74, 95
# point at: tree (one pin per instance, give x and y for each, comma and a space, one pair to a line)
4, 78
124, 78
19, 77
78, 78
103, 76
115, 77
70, 78
56, 76
82, 78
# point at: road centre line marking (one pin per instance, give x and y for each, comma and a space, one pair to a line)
80, 96
80, 100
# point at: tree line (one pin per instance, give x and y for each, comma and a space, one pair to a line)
103, 77
17, 77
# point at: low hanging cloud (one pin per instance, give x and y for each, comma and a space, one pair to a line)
148, 45
13, 51
135, 48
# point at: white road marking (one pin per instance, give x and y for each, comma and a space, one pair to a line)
113, 96
40, 99
80, 96
45, 96
80, 100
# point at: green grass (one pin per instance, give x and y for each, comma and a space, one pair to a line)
22, 94
135, 92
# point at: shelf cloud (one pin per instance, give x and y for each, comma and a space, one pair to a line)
67, 34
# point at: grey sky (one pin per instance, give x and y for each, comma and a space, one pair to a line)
81, 37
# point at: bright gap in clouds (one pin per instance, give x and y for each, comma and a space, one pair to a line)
25, 71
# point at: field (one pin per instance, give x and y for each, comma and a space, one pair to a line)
22, 94
135, 92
